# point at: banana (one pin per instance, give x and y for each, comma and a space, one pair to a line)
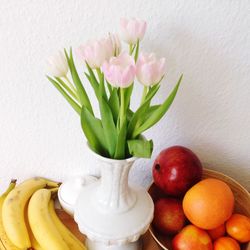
5, 243
34, 242
13, 210
68, 237
41, 222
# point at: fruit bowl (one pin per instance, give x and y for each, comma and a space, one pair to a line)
242, 204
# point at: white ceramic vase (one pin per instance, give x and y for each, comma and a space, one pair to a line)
110, 212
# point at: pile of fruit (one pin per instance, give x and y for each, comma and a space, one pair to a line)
197, 214
28, 220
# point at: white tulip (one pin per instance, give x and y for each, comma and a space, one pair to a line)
57, 65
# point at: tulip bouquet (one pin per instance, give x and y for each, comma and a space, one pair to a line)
111, 72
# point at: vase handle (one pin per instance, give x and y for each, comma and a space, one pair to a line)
70, 190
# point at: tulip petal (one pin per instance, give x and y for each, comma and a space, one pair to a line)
96, 52
149, 69
120, 71
57, 65
132, 30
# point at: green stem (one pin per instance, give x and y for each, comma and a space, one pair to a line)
68, 89
110, 88
122, 107
102, 91
100, 75
137, 47
72, 87
144, 94
70, 84
73, 104
131, 48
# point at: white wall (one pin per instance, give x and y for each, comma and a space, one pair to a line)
209, 41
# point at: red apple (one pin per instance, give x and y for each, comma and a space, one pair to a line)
192, 238
156, 193
169, 217
176, 169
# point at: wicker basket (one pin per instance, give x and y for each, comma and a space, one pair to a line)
242, 204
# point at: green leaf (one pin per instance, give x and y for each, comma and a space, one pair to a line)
141, 112
93, 130
92, 77
102, 90
94, 85
127, 95
110, 88
67, 88
114, 104
73, 104
152, 91
135, 120
120, 150
158, 113
149, 112
140, 148
76, 79
129, 114
109, 127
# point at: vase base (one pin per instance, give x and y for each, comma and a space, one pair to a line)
92, 245
113, 229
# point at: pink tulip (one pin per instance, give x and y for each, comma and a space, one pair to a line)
120, 71
116, 43
132, 30
96, 52
57, 65
149, 69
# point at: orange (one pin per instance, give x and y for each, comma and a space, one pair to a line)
209, 203
192, 238
238, 227
226, 243
217, 232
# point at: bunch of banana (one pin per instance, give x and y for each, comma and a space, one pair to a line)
47, 228
13, 210
28, 220
5, 243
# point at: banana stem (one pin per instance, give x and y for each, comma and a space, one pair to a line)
13, 181
52, 184
11, 186
53, 193
54, 190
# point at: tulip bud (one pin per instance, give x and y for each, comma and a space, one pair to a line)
57, 65
96, 52
120, 71
149, 69
132, 30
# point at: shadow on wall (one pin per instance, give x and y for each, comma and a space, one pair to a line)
201, 119
221, 160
